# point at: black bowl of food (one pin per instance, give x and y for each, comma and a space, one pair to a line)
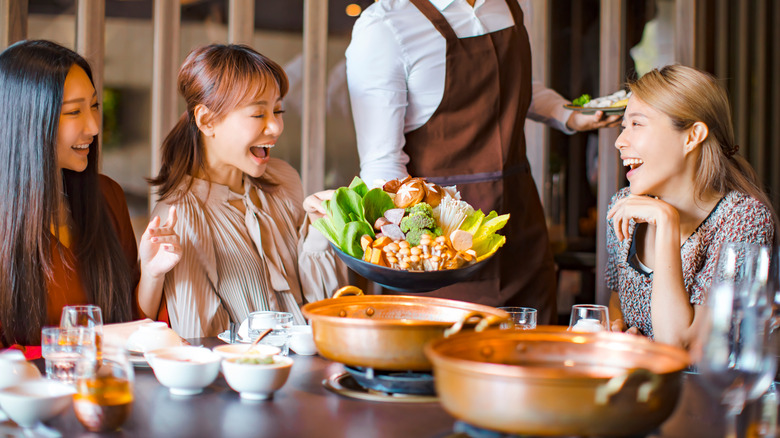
409, 281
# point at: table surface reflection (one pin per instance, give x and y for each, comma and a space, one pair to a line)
304, 408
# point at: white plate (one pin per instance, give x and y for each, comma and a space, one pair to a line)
225, 337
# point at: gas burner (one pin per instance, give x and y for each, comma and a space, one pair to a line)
462, 429
393, 382
345, 384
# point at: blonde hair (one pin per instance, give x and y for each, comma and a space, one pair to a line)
687, 95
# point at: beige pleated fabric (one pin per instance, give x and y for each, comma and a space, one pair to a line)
235, 263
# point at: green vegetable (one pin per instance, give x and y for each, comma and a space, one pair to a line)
413, 236
483, 228
351, 213
376, 202
417, 221
582, 100
421, 207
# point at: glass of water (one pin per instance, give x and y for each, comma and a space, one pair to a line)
523, 318
280, 324
69, 353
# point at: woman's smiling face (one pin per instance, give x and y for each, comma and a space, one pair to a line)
79, 121
244, 137
653, 148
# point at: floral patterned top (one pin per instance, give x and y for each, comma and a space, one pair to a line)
736, 218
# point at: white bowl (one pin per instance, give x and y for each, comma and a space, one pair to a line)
15, 369
184, 370
33, 401
152, 336
229, 351
257, 381
302, 340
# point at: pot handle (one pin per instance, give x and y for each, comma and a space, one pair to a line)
485, 321
605, 392
348, 290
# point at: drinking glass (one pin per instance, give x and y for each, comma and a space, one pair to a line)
280, 324
84, 316
104, 398
523, 318
738, 353
589, 318
69, 353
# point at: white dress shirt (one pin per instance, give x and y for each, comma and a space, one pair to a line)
396, 73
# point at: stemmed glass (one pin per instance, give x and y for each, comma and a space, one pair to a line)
89, 316
738, 353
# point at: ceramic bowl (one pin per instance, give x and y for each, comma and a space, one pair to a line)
152, 336
15, 369
229, 351
184, 370
302, 340
33, 401
257, 381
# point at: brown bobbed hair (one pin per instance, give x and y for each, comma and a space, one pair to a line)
687, 95
222, 78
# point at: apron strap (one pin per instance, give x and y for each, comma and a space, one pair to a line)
517, 13
437, 19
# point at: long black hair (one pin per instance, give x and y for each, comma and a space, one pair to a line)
32, 80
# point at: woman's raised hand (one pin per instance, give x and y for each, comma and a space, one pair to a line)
641, 209
159, 249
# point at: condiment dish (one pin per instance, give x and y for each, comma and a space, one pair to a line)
256, 381
229, 351
184, 370
302, 340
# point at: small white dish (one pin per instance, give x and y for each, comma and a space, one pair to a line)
152, 336
184, 370
230, 351
302, 340
33, 401
257, 381
15, 369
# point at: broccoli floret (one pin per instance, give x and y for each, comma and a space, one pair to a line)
417, 221
421, 207
413, 236
582, 100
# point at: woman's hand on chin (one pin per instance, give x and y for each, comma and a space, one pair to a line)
159, 249
642, 209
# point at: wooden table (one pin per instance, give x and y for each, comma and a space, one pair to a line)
304, 408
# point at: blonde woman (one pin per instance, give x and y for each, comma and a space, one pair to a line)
689, 193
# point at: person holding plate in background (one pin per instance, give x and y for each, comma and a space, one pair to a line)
689, 193
67, 235
440, 89
245, 235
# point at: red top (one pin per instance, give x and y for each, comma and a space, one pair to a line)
66, 288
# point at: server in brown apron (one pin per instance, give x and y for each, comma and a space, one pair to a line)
474, 139
480, 122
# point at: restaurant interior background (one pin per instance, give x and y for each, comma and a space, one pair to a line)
580, 46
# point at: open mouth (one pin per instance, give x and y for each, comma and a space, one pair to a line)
261, 151
633, 163
80, 147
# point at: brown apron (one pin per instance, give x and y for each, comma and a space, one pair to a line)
475, 140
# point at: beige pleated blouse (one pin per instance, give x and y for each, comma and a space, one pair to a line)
234, 263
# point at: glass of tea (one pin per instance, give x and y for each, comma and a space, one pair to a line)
84, 316
104, 399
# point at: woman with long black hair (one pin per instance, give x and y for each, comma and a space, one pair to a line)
66, 232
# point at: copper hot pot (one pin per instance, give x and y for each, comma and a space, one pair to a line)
553, 382
388, 332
